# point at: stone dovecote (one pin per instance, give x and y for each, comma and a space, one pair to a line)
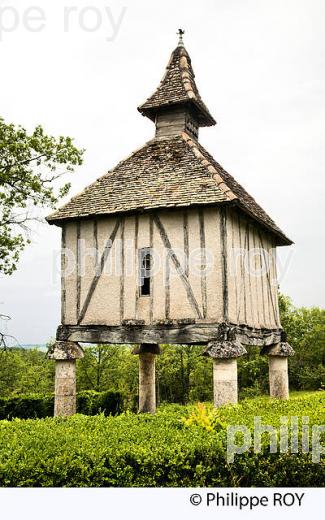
168, 248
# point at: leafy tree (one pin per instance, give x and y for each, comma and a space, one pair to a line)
93, 370
305, 328
24, 371
183, 374
30, 165
252, 373
306, 334
107, 367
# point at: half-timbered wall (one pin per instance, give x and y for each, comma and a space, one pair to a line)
230, 288
251, 274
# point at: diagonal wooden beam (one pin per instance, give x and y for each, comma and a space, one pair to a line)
93, 285
176, 262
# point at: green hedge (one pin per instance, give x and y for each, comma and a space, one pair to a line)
35, 406
161, 450
26, 406
92, 403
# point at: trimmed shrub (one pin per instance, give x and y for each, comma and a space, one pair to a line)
26, 406
35, 406
174, 448
312, 378
110, 402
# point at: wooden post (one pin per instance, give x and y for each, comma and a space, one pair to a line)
65, 354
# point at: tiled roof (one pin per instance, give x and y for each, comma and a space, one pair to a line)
166, 172
178, 87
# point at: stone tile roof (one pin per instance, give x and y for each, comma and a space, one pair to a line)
178, 87
167, 172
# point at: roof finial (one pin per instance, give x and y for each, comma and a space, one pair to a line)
180, 33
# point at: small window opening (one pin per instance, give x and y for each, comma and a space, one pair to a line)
145, 265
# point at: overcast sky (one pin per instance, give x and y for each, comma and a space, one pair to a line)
260, 68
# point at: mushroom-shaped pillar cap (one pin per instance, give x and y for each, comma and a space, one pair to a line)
226, 349
65, 350
282, 349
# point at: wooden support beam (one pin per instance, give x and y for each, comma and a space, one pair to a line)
171, 333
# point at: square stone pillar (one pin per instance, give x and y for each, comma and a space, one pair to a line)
65, 354
278, 354
147, 382
147, 377
224, 353
225, 386
65, 402
278, 377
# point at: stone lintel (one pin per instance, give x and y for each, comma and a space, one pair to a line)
65, 351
